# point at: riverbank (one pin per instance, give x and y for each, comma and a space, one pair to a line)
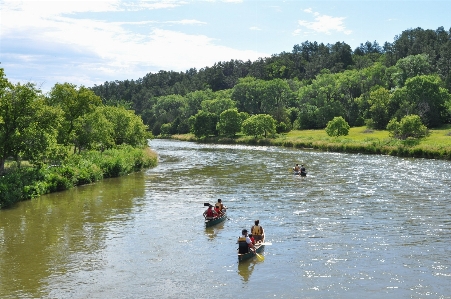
22, 183
360, 140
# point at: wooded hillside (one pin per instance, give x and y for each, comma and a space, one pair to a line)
304, 88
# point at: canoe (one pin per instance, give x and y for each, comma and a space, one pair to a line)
300, 173
214, 221
245, 256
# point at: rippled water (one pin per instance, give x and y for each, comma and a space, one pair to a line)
356, 226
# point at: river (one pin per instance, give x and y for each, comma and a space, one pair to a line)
358, 226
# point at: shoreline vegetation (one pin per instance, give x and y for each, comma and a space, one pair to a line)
28, 182
359, 140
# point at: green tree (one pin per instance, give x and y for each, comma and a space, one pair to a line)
27, 126
423, 96
127, 127
75, 102
257, 125
248, 95
93, 131
411, 66
217, 106
276, 96
410, 126
379, 100
203, 124
229, 122
337, 127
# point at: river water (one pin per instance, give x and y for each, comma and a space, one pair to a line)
358, 226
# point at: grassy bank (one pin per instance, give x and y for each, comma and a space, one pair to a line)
359, 140
29, 182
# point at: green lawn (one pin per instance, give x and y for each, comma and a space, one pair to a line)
359, 140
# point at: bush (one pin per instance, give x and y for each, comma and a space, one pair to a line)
25, 183
410, 126
337, 127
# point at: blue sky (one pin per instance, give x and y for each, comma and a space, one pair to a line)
90, 42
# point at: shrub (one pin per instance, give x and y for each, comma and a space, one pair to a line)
410, 126
337, 127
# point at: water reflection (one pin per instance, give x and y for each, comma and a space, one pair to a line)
60, 233
212, 231
245, 268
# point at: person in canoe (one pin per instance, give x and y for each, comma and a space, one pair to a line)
221, 207
296, 168
245, 243
210, 213
257, 231
218, 211
303, 172
252, 238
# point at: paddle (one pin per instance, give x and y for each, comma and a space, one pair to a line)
259, 257
266, 243
206, 204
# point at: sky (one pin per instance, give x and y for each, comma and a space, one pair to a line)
90, 42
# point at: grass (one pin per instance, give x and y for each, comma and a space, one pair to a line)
359, 140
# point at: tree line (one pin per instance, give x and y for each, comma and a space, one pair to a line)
44, 129
301, 89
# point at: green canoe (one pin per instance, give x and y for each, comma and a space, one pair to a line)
245, 256
214, 221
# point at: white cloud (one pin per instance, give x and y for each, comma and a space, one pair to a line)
51, 42
255, 28
187, 22
324, 23
297, 32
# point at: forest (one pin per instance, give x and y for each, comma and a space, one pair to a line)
302, 89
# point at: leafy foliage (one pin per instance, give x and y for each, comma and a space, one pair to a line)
257, 125
203, 124
89, 166
409, 126
337, 127
229, 122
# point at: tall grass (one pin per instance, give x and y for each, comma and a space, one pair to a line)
91, 166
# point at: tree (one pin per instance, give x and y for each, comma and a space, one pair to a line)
337, 127
276, 95
379, 100
127, 127
248, 95
217, 106
260, 124
75, 102
203, 124
410, 126
93, 131
411, 66
423, 96
229, 122
27, 126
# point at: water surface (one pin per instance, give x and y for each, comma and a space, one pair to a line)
358, 226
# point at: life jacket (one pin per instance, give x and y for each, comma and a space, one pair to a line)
218, 210
242, 245
257, 230
210, 213
242, 239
